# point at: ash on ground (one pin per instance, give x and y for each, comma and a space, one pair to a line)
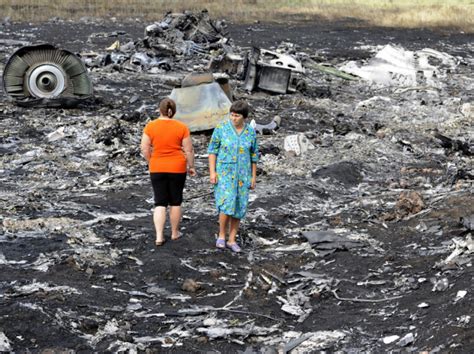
358, 236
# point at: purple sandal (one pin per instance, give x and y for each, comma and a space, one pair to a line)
234, 247
220, 243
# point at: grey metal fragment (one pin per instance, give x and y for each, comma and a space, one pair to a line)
318, 340
327, 242
201, 107
468, 222
266, 128
245, 331
406, 340
295, 342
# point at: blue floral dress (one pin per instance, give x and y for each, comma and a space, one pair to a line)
235, 154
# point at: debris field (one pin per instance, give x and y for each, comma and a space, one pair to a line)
358, 235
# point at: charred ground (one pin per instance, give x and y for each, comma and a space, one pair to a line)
78, 267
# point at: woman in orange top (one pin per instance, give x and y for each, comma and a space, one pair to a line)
167, 146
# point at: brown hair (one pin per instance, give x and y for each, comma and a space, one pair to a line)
240, 107
167, 107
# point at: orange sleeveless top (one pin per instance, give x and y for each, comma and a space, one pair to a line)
166, 137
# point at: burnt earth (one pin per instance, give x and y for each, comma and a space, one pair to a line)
100, 315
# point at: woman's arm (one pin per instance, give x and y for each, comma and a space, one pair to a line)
189, 152
212, 169
213, 151
146, 147
254, 160
254, 176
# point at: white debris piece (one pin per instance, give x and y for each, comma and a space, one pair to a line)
179, 297
465, 319
111, 328
440, 284
390, 339
467, 110
406, 340
393, 65
29, 156
223, 332
313, 340
124, 347
461, 248
5, 345
148, 339
119, 217
96, 155
298, 143
292, 309
4, 260
36, 286
44, 262
58, 134
208, 322
295, 304
81, 237
372, 102
460, 295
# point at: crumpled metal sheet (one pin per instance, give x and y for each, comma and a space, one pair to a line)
393, 65
201, 107
224, 331
468, 222
187, 33
327, 242
463, 249
34, 287
298, 342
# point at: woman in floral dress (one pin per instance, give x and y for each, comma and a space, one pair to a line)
233, 155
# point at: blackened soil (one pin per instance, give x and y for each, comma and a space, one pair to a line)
56, 321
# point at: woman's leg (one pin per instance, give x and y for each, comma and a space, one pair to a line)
160, 191
176, 186
159, 218
223, 225
234, 229
175, 218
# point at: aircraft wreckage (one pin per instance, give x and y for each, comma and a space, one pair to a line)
358, 236
43, 75
202, 100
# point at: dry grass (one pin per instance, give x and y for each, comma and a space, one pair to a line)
398, 13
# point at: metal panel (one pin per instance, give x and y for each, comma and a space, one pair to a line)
274, 79
201, 107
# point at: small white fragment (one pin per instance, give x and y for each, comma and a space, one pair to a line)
209, 322
390, 339
5, 345
460, 295
56, 135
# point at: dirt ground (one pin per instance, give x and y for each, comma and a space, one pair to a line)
371, 293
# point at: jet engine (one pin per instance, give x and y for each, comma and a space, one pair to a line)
43, 75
